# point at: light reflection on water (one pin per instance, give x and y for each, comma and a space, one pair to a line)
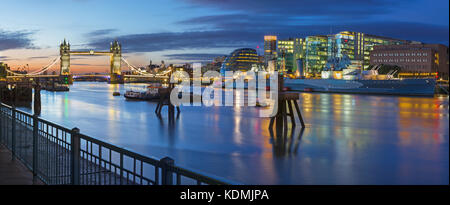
349, 139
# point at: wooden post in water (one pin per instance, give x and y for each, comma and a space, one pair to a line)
287, 107
15, 95
165, 100
37, 98
278, 116
171, 106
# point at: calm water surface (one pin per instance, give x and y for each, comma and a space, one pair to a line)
349, 139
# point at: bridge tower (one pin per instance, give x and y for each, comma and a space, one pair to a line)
116, 59
64, 52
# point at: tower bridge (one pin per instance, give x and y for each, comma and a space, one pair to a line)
115, 53
65, 76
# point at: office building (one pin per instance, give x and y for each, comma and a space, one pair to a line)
270, 48
420, 59
315, 51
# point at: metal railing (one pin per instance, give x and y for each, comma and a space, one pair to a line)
58, 155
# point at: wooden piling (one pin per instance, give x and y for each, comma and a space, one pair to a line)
37, 98
165, 100
287, 107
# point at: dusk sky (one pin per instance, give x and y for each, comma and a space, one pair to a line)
180, 31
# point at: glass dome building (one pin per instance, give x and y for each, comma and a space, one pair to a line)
242, 59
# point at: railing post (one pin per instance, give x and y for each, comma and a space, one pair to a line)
35, 143
166, 173
13, 132
1, 117
75, 156
121, 169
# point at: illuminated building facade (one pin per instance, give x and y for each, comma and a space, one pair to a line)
270, 48
285, 59
240, 60
316, 53
357, 45
289, 51
413, 58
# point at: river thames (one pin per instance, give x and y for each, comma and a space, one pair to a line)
349, 139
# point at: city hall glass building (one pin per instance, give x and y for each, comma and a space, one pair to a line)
240, 60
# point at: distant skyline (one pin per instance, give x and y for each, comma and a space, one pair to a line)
179, 31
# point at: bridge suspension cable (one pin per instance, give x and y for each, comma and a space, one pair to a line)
38, 72
136, 69
145, 73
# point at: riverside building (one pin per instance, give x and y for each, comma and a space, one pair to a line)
314, 51
415, 60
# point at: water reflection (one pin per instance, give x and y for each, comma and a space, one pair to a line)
286, 144
349, 139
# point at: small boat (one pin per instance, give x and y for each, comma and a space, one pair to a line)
132, 94
116, 94
55, 87
152, 93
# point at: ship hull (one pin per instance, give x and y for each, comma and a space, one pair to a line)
418, 87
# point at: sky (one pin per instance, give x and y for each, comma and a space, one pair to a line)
179, 31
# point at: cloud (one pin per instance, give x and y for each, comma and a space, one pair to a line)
39, 57
231, 36
100, 33
151, 42
287, 26
193, 56
245, 23
15, 39
300, 18
302, 8
7, 58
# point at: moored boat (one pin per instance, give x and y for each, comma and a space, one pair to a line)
152, 93
421, 87
55, 87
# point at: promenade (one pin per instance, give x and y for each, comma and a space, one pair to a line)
13, 172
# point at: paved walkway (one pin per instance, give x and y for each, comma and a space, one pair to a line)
13, 172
